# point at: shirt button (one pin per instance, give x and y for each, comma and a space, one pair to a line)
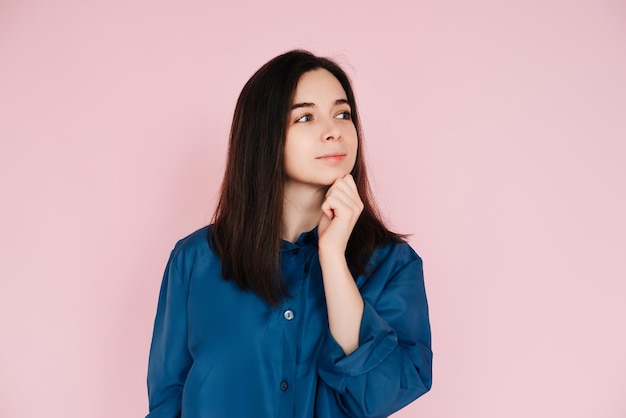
296, 251
288, 315
284, 385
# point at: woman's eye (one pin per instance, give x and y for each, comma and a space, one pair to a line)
344, 115
304, 118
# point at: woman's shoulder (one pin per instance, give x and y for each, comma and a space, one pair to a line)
194, 244
394, 261
193, 256
398, 247
397, 251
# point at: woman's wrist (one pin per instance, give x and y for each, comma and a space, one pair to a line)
331, 254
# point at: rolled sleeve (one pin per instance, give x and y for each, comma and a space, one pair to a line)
393, 364
377, 340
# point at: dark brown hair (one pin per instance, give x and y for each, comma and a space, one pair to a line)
248, 217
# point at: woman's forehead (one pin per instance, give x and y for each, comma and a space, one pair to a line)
318, 86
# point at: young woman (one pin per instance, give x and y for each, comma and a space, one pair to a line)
297, 301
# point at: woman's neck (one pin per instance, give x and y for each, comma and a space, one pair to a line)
302, 209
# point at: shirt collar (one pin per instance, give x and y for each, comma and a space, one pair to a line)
305, 239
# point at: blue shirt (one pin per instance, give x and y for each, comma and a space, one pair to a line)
220, 352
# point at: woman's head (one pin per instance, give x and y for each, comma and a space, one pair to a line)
263, 110
321, 141
248, 217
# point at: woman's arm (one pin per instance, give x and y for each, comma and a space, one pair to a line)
377, 356
393, 364
341, 210
170, 360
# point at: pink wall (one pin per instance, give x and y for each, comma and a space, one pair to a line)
496, 135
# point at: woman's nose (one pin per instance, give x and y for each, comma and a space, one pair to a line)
332, 132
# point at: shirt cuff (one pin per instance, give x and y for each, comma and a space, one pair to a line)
377, 340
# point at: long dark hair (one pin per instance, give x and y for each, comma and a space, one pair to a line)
248, 217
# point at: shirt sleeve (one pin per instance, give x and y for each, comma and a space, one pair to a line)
392, 365
170, 359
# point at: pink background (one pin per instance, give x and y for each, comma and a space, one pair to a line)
496, 134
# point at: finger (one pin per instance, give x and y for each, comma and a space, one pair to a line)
348, 194
339, 200
346, 183
327, 209
351, 182
337, 183
342, 207
354, 191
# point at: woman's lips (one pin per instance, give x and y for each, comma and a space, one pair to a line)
334, 158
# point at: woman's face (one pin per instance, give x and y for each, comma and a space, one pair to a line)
321, 143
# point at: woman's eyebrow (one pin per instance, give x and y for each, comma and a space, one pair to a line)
307, 104
304, 104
